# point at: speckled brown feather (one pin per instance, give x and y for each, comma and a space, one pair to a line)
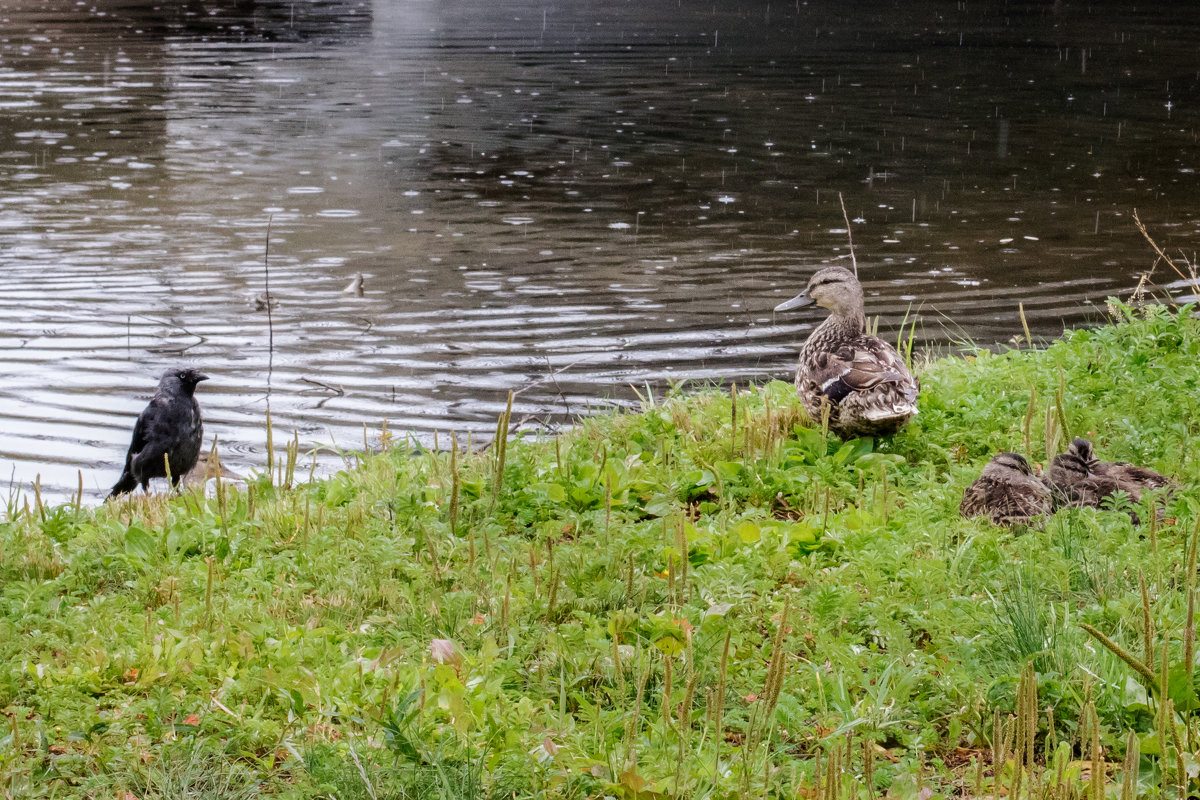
1006, 494
1130, 477
1073, 484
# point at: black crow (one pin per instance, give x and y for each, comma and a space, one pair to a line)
169, 428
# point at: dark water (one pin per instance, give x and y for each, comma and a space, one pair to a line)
562, 197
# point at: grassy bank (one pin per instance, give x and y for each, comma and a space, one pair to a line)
703, 599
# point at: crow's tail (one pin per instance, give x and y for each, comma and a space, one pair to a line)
126, 483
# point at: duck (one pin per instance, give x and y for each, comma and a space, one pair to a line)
1130, 476
1008, 491
866, 385
1072, 483
1078, 478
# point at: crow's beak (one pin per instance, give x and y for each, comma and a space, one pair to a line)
802, 299
200, 376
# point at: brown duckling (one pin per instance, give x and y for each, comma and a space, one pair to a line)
1130, 476
1073, 484
1008, 491
863, 380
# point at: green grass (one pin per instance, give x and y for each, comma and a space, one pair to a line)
688, 601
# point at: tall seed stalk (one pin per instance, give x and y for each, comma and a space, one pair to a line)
501, 449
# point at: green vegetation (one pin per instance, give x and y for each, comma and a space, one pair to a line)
705, 599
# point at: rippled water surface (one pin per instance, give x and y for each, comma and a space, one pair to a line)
563, 198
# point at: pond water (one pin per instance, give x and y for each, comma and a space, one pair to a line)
562, 198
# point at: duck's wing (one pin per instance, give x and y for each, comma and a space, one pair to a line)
1005, 503
974, 500
1131, 474
859, 366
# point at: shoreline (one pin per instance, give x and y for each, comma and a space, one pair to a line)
625, 606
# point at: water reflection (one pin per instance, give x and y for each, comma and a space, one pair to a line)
571, 197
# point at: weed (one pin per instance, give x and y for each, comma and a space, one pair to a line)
707, 598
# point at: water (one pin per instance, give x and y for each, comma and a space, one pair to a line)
562, 198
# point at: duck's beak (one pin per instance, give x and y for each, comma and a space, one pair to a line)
802, 299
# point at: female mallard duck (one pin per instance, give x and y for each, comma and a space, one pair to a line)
1007, 491
862, 378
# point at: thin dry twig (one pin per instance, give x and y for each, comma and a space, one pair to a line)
1161, 255
846, 217
553, 377
178, 351
549, 377
363, 773
329, 387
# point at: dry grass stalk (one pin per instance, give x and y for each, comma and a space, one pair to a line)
1051, 436
1129, 770
501, 449
666, 707
1147, 674
270, 448
1147, 625
1027, 428
733, 415
681, 545
1096, 789
455, 486
849, 236
631, 727
1161, 255
1180, 769
1024, 323
717, 709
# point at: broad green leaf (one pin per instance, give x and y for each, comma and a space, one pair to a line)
140, 545
748, 531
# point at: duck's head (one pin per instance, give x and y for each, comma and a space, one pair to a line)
1082, 449
1007, 464
1068, 466
834, 288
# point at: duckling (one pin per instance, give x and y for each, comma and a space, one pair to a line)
1130, 476
1071, 483
862, 378
1008, 491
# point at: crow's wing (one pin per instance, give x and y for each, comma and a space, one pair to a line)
152, 436
139, 433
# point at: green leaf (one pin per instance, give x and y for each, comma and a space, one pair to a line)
809, 447
140, 545
729, 471
1181, 689
174, 540
748, 531
660, 506
669, 645
715, 610
554, 492
853, 450
871, 462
